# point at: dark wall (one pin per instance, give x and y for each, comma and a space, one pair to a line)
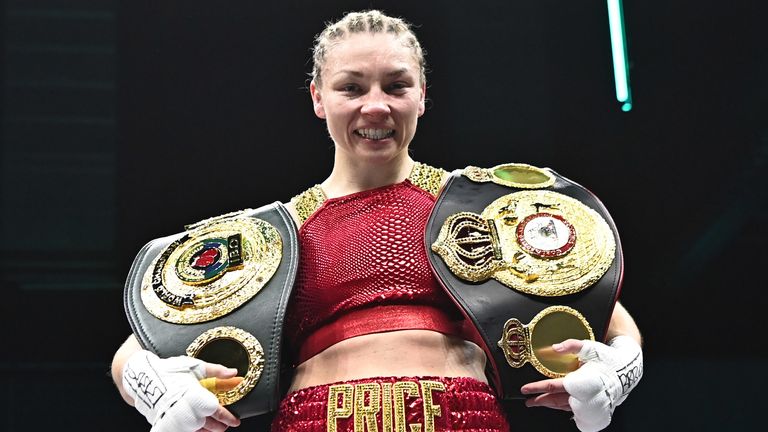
123, 121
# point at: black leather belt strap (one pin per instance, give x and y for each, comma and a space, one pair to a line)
489, 304
261, 316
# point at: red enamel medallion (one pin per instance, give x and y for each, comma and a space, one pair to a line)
546, 235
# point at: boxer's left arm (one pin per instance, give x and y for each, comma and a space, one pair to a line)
623, 324
597, 387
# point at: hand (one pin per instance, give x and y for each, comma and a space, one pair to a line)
551, 393
168, 393
607, 374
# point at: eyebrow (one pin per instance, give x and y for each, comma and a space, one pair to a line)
358, 74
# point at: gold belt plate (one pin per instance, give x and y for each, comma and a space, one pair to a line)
232, 347
538, 242
212, 270
532, 342
518, 175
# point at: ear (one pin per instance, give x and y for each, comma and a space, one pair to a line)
317, 102
422, 99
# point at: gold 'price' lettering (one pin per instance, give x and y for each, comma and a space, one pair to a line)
335, 411
368, 402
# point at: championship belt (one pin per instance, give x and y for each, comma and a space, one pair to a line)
218, 292
533, 259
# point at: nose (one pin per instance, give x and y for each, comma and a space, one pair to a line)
375, 104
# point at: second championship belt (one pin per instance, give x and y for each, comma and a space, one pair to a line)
218, 292
533, 259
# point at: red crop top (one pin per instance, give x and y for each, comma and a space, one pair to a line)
363, 269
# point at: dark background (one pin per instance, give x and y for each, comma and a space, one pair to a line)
124, 120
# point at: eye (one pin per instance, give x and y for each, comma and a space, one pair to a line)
398, 87
349, 88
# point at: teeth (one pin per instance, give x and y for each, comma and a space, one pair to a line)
376, 134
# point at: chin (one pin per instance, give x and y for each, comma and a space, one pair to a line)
381, 156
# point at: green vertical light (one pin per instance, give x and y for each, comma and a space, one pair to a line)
619, 50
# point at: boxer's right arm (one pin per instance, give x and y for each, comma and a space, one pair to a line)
167, 391
128, 348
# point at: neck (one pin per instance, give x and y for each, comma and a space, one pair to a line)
347, 178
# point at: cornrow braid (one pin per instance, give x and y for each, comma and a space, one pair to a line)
372, 21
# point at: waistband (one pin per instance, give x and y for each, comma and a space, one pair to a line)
377, 320
393, 404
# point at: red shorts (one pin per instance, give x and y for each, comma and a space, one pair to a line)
393, 404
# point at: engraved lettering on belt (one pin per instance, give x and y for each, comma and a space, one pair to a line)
366, 402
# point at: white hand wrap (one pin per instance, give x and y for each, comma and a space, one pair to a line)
607, 374
168, 392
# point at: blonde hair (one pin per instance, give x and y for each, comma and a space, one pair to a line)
372, 21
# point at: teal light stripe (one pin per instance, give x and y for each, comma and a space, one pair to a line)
619, 51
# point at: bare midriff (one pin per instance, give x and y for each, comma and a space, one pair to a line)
395, 353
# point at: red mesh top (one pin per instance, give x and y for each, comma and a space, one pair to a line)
363, 269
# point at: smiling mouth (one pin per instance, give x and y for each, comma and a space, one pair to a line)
375, 134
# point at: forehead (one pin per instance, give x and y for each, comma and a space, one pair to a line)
364, 52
